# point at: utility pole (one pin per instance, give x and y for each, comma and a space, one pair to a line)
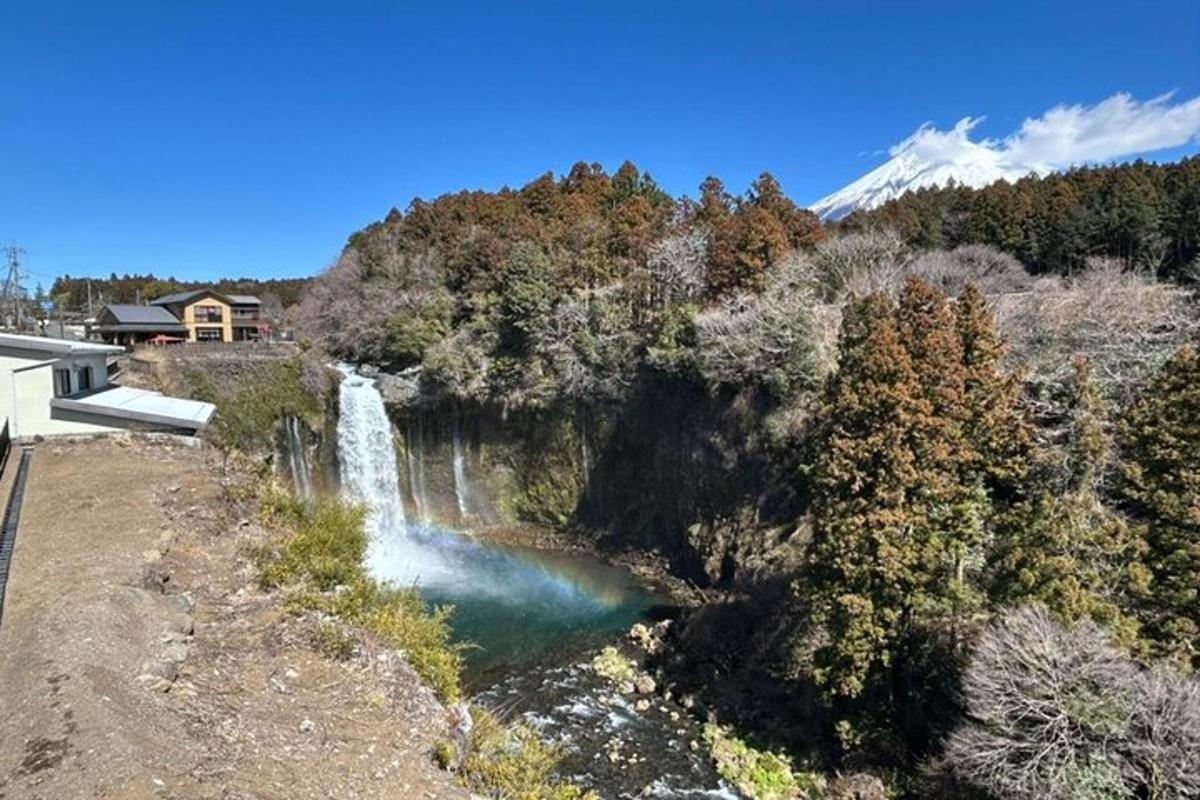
13, 291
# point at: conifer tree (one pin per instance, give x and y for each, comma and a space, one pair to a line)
1062, 545
1160, 485
526, 299
867, 562
897, 530
1001, 437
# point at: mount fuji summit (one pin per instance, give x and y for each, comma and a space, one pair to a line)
928, 159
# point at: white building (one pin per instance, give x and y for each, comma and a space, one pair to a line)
56, 387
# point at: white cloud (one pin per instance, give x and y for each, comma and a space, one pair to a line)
1065, 136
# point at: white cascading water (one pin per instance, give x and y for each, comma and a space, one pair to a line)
585, 453
368, 459
367, 453
416, 470
461, 489
298, 457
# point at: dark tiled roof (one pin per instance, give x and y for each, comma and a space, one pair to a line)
129, 314
179, 297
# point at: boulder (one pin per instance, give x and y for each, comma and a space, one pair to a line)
644, 684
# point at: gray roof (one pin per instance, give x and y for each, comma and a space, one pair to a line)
140, 405
42, 344
129, 314
180, 297
184, 297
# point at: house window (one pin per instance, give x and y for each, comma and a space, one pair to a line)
207, 314
208, 334
62, 382
85, 378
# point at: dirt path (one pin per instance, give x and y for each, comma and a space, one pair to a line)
138, 660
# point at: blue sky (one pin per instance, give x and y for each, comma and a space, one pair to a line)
224, 138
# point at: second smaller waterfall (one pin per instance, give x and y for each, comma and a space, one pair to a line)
297, 455
461, 490
416, 469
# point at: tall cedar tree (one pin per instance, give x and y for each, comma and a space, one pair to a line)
921, 434
892, 518
994, 422
867, 559
1061, 545
1160, 483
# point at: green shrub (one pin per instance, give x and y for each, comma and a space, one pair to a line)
611, 663
512, 763
320, 559
445, 753
334, 642
409, 336
759, 774
250, 406
325, 547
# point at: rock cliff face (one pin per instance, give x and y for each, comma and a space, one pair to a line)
670, 470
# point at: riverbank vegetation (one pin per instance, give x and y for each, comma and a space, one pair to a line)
318, 560
509, 762
873, 443
252, 396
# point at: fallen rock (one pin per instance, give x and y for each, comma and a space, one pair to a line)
857, 786
307, 726
640, 635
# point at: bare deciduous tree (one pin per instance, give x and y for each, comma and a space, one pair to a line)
592, 343
990, 270
1125, 322
676, 267
860, 263
345, 308
767, 338
1059, 713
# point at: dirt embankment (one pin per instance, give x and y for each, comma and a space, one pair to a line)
139, 660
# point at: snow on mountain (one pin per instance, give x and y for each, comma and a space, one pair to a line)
927, 159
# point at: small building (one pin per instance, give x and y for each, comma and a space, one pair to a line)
127, 324
210, 316
57, 387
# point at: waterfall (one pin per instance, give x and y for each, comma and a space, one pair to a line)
297, 457
416, 469
367, 453
461, 490
585, 453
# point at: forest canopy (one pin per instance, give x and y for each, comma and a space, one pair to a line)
912, 446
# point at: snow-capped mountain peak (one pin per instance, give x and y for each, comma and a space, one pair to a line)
929, 158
